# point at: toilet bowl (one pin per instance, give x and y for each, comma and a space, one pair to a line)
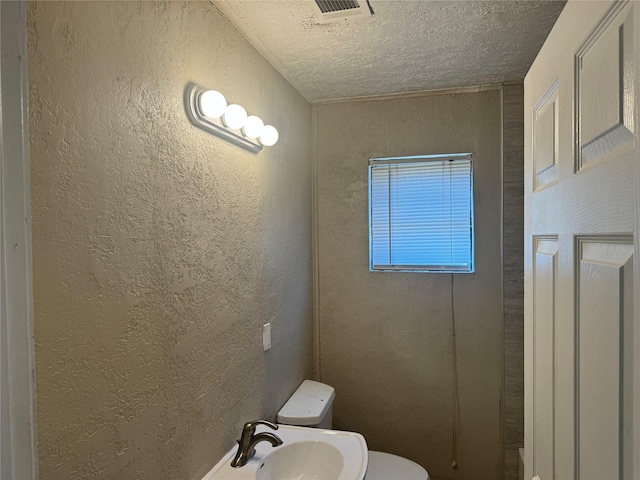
311, 405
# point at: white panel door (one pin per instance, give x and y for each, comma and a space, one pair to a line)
582, 189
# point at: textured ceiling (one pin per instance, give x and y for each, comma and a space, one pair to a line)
406, 46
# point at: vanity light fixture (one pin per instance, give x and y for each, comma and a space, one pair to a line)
269, 136
253, 127
234, 116
208, 110
213, 104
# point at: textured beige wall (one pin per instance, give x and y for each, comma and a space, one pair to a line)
386, 338
159, 249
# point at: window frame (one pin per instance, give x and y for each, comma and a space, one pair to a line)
422, 159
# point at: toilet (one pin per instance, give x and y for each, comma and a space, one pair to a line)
311, 405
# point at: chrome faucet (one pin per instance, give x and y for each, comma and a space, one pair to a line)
249, 439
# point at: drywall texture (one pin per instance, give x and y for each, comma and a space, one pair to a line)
159, 249
513, 274
386, 341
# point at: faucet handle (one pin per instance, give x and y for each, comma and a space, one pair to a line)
251, 426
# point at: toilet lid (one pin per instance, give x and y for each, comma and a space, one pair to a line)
385, 466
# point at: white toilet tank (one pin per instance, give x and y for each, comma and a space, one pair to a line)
311, 405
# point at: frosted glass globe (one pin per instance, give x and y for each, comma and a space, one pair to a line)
253, 126
234, 116
213, 104
269, 136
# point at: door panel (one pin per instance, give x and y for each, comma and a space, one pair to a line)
604, 86
545, 138
582, 162
604, 326
545, 272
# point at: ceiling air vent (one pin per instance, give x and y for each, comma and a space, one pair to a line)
335, 10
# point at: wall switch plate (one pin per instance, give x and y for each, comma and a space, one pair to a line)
266, 336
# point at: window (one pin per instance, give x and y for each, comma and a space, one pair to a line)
421, 213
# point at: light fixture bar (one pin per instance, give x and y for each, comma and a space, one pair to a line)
214, 125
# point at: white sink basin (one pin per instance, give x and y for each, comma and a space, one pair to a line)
302, 460
305, 454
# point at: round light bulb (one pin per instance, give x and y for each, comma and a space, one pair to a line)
213, 104
234, 116
269, 136
253, 127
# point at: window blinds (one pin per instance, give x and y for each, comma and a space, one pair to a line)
421, 213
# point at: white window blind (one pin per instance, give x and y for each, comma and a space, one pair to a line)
421, 213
